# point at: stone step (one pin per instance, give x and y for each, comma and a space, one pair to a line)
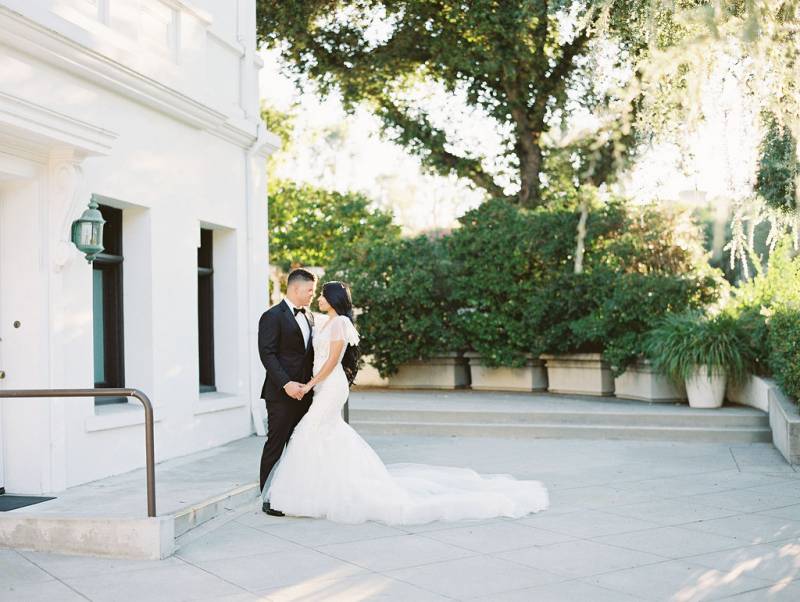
564, 431
203, 511
674, 417
107, 517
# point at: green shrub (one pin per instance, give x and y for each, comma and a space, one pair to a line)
501, 255
682, 342
503, 284
402, 288
308, 225
650, 264
784, 354
514, 279
771, 291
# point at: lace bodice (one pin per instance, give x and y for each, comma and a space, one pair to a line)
339, 328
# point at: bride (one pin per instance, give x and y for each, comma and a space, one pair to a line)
329, 471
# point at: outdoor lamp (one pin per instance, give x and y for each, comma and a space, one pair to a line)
87, 231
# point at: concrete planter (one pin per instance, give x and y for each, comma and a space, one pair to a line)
531, 377
784, 420
579, 373
753, 392
368, 375
444, 372
706, 391
642, 381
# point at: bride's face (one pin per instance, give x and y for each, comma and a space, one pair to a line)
323, 303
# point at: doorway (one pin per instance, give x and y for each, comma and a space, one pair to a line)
3, 285
17, 230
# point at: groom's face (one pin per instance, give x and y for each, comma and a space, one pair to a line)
303, 293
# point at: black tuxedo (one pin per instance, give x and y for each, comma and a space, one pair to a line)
286, 358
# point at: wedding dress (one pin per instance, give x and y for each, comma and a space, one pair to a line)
328, 471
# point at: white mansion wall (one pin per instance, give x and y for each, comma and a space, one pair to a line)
176, 143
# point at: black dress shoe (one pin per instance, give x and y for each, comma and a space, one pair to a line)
265, 507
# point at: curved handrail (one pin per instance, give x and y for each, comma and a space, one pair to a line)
148, 423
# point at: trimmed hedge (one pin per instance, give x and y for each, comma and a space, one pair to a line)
503, 284
784, 354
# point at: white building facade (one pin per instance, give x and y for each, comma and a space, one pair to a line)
149, 107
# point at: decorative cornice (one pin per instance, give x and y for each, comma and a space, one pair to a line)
18, 31
187, 7
52, 125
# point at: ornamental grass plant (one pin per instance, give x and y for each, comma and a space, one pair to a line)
681, 343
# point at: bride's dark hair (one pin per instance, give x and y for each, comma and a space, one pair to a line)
337, 294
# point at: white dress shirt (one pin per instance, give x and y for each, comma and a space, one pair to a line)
302, 321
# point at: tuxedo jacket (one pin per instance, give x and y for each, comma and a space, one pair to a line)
283, 352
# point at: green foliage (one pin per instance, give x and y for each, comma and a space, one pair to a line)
526, 64
778, 168
764, 306
650, 264
308, 225
280, 123
683, 342
503, 284
402, 289
500, 255
784, 344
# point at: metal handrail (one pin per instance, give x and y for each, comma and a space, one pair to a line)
148, 424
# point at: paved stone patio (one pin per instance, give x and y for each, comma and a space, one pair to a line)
628, 521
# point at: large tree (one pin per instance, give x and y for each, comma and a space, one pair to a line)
527, 64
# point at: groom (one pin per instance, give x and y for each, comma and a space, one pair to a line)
284, 344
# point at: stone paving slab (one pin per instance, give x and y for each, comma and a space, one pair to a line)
628, 521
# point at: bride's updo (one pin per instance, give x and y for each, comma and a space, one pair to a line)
337, 294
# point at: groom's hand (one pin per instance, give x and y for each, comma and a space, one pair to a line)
294, 389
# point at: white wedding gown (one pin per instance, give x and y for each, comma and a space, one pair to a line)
328, 471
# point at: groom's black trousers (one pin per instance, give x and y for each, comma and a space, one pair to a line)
282, 417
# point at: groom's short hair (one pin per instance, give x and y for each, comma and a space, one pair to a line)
300, 275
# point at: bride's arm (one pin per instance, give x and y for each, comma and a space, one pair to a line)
333, 359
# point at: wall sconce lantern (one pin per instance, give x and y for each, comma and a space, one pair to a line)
87, 231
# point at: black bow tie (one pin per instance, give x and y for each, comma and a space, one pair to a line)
299, 310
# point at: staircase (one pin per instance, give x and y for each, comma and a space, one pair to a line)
528, 415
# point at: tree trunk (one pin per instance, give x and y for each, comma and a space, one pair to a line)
580, 239
530, 164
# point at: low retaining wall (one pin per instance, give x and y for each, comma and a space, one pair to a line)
784, 420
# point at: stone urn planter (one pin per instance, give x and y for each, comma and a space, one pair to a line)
706, 390
449, 371
530, 377
579, 373
642, 381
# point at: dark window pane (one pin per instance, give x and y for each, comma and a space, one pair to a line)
205, 311
205, 254
109, 367
112, 230
99, 331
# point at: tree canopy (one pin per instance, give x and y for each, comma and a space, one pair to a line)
308, 225
527, 64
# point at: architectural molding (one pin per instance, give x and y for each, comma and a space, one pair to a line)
46, 44
187, 7
66, 189
33, 120
233, 46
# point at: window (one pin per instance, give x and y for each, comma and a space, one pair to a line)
109, 367
205, 310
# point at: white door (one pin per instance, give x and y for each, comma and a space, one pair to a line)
3, 285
